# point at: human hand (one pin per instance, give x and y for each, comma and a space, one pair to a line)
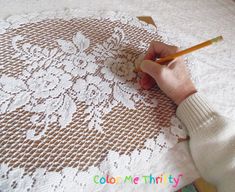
172, 77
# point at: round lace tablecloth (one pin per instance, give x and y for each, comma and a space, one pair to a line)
71, 107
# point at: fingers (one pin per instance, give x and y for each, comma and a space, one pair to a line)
158, 50
146, 81
151, 68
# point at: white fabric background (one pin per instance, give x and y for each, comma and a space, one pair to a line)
184, 23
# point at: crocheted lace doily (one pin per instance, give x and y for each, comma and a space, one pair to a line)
70, 101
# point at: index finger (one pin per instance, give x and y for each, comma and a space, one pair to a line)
158, 49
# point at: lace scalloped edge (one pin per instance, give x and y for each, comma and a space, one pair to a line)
72, 179
15, 21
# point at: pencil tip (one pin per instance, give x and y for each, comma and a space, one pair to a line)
217, 39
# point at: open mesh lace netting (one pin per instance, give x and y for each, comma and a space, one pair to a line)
69, 97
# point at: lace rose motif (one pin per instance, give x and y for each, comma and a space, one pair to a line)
54, 80
94, 92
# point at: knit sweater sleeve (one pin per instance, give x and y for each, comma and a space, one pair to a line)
212, 141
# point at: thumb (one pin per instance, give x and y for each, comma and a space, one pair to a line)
152, 68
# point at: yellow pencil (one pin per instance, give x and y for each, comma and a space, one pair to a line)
186, 51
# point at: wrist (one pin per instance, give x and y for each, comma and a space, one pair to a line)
184, 95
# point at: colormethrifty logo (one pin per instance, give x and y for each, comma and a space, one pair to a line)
162, 179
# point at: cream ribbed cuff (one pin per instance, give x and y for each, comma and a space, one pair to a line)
195, 113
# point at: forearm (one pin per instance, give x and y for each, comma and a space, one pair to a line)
212, 141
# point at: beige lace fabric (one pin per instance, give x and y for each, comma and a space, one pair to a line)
70, 103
